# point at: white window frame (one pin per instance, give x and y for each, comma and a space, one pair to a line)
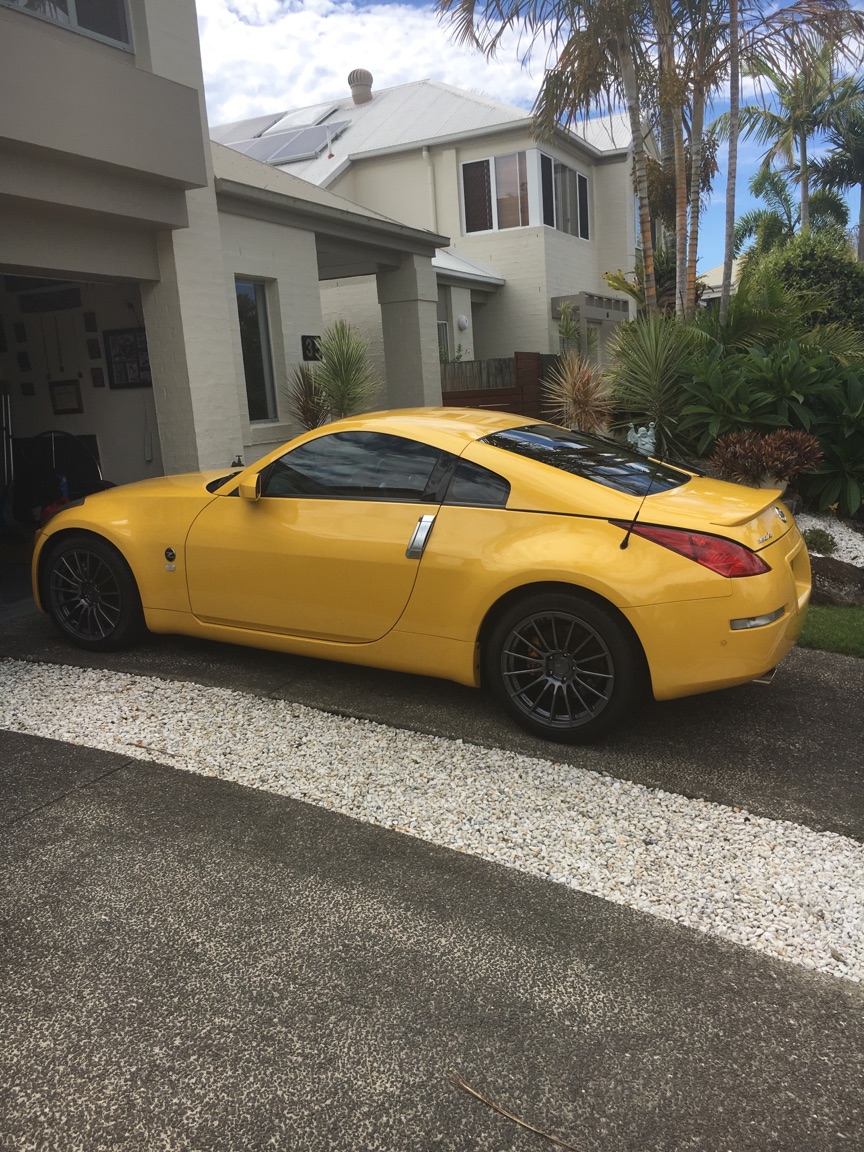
490, 161
580, 175
72, 25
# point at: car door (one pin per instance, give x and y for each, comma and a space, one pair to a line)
331, 548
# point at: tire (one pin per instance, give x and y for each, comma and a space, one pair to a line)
563, 667
90, 594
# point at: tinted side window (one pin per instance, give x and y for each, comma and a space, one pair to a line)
599, 460
353, 466
472, 484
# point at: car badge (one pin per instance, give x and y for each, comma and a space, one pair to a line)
762, 539
780, 513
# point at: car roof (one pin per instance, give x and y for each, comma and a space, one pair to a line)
464, 425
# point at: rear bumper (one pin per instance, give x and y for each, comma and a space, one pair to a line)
693, 647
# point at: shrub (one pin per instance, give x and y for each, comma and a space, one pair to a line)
650, 362
578, 394
823, 264
752, 457
818, 540
340, 384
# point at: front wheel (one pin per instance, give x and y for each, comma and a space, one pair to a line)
563, 666
90, 594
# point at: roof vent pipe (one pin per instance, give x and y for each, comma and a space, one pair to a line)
360, 83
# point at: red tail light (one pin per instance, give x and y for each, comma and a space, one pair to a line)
715, 552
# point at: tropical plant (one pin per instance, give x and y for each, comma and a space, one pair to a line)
719, 399
803, 98
578, 394
774, 225
796, 381
344, 374
752, 457
823, 267
650, 361
341, 383
843, 166
306, 400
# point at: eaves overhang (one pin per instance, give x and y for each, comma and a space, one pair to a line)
561, 135
283, 208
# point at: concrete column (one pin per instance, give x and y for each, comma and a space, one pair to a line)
408, 296
186, 313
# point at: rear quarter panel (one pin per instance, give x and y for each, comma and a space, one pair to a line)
477, 555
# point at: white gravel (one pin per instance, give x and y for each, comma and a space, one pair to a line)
774, 886
849, 543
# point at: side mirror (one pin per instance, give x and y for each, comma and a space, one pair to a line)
251, 489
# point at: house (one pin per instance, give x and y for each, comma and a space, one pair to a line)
131, 249
532, 226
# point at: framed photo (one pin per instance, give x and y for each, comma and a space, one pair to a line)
90, 322
97, 377
23, 359
28, 388
94, 349
66, 397
127, 359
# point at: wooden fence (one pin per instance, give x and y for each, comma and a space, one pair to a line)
502, 385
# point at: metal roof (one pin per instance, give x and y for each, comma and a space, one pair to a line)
409, 115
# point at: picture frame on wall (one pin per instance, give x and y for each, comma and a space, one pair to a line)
66, 397
94, 349
97, 377
127, 358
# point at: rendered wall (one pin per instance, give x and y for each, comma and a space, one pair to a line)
286, 260
356, 300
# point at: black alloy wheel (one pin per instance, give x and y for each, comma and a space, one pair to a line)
90, 593
563, 666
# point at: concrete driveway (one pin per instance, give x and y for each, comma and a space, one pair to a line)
191, 964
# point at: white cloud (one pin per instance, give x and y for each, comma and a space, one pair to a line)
262, 55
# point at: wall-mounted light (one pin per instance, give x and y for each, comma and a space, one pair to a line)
462, 323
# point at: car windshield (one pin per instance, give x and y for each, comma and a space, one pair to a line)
591, 457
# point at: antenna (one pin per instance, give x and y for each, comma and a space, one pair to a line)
655, 472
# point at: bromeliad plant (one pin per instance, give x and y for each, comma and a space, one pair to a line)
761, 458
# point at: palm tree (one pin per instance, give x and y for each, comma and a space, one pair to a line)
600, 64
843, 166
804, 98
775, 225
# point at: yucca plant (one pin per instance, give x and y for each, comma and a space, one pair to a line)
578, 394
344, 374
306, 400
650, 362
342, 383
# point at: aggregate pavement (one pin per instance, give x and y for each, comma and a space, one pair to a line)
192, 964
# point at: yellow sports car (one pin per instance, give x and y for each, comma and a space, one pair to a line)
562, 571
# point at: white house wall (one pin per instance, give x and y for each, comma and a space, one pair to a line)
285, 258
356, 300
537, 262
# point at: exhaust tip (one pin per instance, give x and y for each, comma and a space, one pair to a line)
767, 677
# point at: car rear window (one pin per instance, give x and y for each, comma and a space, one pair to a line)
591, 457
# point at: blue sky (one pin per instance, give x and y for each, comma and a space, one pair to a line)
264, 56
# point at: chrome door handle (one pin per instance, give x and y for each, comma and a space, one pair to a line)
421, 534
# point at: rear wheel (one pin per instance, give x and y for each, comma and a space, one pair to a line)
563, 666
90, 594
